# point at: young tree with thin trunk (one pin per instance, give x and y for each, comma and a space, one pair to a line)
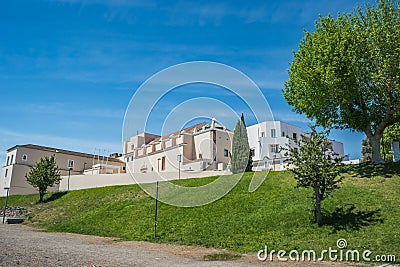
43, 175
346, 74
315, 166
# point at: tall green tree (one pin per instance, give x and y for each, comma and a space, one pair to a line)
43, 175
346, 74
249, 166
240, 148
315, 165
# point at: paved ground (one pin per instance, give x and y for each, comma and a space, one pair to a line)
24, 246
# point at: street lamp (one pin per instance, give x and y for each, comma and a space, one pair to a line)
179, 158
69, 175
5, 205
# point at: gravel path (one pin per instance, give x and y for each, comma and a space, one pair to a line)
24, 246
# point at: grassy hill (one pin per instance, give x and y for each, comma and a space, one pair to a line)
365, 211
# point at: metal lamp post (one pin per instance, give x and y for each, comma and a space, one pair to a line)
69, 175
179, 158
5, 205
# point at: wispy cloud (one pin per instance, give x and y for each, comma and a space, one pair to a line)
290, 117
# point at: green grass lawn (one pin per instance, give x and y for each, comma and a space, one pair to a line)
365, 211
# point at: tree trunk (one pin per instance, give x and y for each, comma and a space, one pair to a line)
317, 214
376, 148
41, 196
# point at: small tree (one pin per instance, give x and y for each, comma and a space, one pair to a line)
240, 161
366, 150
315, 166
43, 175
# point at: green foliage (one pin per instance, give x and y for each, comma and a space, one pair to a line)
365, 212
43, 175
366, 150
346, 74
315, 166
391, 134
241, 159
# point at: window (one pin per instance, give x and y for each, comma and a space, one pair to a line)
226, 153
127, 159
252, 152
262, 134
163, 163
132, 147
295, 136
24, 157
8, 160
273, 133
274, 148
12, 159
70, 164
283, 134
6, 173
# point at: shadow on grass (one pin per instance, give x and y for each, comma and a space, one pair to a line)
54, 196
368, 170
348, 218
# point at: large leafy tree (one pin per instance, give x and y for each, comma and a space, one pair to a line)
241, 158
346, 74
315, 165
43, 175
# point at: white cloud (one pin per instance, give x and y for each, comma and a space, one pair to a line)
290, 117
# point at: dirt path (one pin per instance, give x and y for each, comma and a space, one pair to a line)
24, 246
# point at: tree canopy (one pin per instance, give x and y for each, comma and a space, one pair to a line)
346, 74
43, 175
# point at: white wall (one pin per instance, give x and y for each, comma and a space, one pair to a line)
78, 182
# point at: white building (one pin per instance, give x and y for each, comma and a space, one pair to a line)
266, 139
202, 147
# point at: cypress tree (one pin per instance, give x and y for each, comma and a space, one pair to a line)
241, 158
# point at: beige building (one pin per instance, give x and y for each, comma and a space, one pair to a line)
21, 158
197, 148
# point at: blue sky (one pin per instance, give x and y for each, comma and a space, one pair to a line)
69, 68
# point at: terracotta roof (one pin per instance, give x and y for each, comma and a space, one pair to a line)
188, 130
61, 151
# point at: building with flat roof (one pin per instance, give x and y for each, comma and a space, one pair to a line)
267, 138
21, 158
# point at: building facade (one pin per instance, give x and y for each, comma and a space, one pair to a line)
267, 138
21, 158
197, 148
